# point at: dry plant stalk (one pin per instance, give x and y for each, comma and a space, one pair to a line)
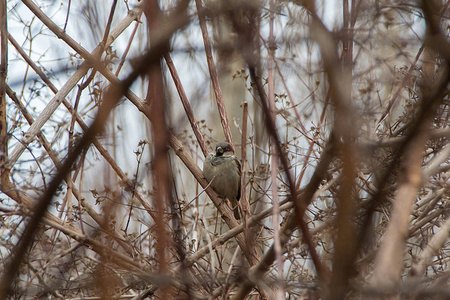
344, 149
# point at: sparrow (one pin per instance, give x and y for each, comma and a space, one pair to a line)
224, 170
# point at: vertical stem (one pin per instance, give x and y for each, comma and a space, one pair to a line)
347, 47
3, 73
244, 201
274, 152
161, 169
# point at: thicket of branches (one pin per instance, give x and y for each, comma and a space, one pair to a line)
338, 110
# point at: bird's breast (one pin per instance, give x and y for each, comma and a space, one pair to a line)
224, 173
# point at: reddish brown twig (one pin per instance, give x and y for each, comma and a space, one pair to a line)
186, 105
214, 76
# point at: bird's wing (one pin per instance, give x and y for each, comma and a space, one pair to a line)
239, 169
238, 164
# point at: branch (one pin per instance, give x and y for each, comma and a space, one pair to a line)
389, 260
60, 96
187, 107
110, 99
214, 76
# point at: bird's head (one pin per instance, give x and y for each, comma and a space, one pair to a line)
222, 148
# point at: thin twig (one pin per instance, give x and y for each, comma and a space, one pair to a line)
111, 98
186, 105
213, 75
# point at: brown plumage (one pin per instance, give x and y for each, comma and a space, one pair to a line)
224, 169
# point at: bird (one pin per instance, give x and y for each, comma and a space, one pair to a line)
224, 170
